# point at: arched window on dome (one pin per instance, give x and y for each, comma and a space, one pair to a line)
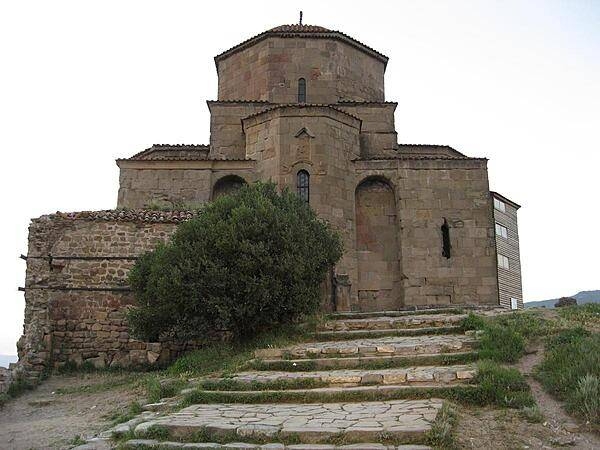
301, 90
303, 185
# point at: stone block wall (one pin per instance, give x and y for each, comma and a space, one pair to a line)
76, 291
427, 191
269, 70
175, 184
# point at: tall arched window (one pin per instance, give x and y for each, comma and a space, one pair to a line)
301, 90
303, 185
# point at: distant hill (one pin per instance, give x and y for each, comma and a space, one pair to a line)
5, 360
581, 297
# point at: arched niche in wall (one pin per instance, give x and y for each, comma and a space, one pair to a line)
227, 185
377, 246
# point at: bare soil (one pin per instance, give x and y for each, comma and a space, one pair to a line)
487, 428
63, 407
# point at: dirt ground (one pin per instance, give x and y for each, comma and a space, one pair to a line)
486, 428
62, 408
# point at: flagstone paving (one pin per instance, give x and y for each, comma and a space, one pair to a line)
312, 423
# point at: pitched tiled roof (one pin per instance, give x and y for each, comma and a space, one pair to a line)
302, 105
303, 31
171, 151
128, 215
425, 152
418, 158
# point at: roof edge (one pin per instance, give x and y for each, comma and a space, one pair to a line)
302, 105
505, 199
333, 34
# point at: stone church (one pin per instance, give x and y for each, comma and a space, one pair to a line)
305, 107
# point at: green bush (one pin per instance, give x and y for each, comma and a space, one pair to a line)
248, 262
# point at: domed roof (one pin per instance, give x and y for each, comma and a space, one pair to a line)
303, 31
300, 28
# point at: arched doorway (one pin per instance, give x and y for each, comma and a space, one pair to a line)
227, 185
377, 246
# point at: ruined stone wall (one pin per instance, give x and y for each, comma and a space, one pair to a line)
270, 69
76, 291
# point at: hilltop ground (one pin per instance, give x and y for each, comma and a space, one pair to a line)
67, 409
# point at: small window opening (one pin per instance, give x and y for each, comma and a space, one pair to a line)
446, 239
301, 90
303, 185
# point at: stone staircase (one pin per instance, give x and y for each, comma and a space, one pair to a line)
367, 381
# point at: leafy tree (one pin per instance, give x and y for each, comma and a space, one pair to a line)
249, 261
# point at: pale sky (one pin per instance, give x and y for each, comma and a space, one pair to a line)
518, 82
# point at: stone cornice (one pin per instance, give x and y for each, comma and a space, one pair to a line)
214, 164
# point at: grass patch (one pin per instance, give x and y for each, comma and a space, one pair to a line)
571, 371
126, 415
224, 437
366, 363
532, 414
505, 337
441, 435
587, 315
158, 388
231, 357
16, 388
464, 394
502, 386
77, 440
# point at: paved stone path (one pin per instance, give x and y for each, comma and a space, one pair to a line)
443, 374
320, 425
314, 423
393, 345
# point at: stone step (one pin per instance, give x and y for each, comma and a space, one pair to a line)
142, 444
484, 310
408, 376
393, 313
381, 392
386, 323
384, 346
365, 362
364, 334
395, 421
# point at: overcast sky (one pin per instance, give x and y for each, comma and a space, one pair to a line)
518, 82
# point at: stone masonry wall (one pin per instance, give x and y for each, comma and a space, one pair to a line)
269, 70
76, 291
